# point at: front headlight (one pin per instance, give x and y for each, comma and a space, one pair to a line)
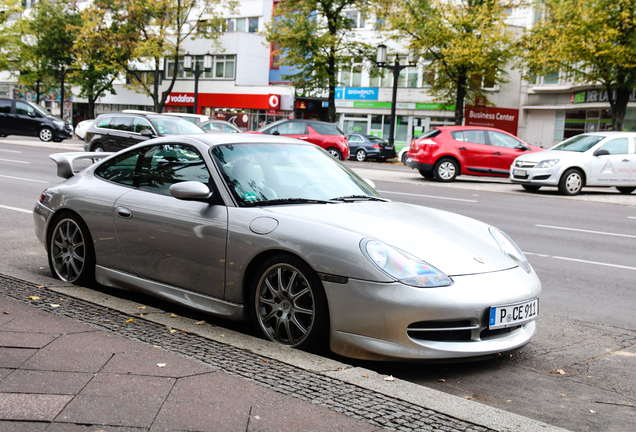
549, 163
402, 267
59, 124
510, 248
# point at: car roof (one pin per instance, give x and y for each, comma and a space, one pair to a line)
147, 114
608, 133
234, 138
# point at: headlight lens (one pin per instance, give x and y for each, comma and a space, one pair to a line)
59, 124
510, 248
402, 267
549, 163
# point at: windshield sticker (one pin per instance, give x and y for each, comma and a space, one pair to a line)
250, 196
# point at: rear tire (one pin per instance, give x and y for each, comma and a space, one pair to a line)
445, 170
571, 182
625, 189
288, 304
97, 148
361, 155
531, 188
335, 153
404, 156
70, 250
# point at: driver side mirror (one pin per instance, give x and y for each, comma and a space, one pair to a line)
147, 133
276, 133
601, 152
190, 191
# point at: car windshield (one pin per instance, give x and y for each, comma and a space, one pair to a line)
579, 143
274, 174
175, 126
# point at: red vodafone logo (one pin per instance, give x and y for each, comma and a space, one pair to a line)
274, 101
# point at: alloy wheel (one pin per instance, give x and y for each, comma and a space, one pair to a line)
68, 250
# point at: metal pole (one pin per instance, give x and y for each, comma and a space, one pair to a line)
197, 74
396, 74
63, 74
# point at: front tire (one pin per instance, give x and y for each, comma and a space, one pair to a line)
625, 189
571, 182
445, 170
46, 134
288, 303
335, 153
70, 250
361, 155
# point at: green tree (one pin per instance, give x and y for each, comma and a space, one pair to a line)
589, 41
464, 44
140, 34
315, 40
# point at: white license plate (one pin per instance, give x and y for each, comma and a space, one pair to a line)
521, 173
513, 315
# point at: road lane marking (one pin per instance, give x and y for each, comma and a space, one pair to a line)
24, 179
10, 151
631, 217
587, 231
582, 261
15, 161
428, 196
16, 209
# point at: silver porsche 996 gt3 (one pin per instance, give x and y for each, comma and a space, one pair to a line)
276, 231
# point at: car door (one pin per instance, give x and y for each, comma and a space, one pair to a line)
505, 149
6, 118
292, 129
615, 168
139, 125
354, 142
472, 150
167, 240
27, 120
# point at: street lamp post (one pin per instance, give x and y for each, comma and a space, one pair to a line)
207, 67
396, 67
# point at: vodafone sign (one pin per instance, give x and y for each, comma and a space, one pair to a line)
224, 100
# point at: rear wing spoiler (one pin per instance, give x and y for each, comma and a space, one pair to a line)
65, 161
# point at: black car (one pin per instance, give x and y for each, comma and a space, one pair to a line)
18, 117
365, 147
114, 131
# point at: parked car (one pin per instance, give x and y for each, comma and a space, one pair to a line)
115, 131
403, 154
444, 152
591, 159
82, 127
219, 126
18, 117
364, 147
276, 231
323, 134
197, 119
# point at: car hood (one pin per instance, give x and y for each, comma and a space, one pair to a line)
552, 154
452, 243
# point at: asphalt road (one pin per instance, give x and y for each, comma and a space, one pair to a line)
580, 370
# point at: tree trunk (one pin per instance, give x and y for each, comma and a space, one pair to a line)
459, 100
618, 101
331, 109
90, 113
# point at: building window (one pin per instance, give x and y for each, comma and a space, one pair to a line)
357, 19
247, 25
274, 58
409, 77
223, 67
351, 75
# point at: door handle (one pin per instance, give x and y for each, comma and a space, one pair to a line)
497, 153
123, 212
303, 137
625, 160
463, 148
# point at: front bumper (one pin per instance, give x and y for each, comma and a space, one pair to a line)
535, 176
371, 320
64, 133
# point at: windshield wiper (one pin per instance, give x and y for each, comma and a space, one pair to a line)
283, 201
352, 198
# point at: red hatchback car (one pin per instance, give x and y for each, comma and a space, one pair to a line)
445, 152
323, 134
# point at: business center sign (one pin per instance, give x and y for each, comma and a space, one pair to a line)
357, 93
501, 118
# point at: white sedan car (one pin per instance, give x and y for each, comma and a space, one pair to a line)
591, 159
82, 127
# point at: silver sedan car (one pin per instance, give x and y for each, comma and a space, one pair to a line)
276, 231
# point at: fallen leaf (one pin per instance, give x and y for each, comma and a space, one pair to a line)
468, 397
6, 313
157, 346
34, 298
142, 314
199, 323
508, 400
161, 364
173, 331
562, 394
264, 361
40, 286
172, 316
42, 268
389, 378
222, 335
61, 300
593, 412
141, 307
105, 320
441, 380
96, 313
184, 332
365, 376
54, 305
561, 372
131, 320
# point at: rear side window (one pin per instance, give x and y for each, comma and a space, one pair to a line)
103, 122
473, 136
289, 128
122, 124
429, 134
5, 106
121, 169
325, 129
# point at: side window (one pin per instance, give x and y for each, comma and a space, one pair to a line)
292, 128
140, 125
616, 146
23, 108
227, 129
167, 164
356, 138
326, 129
473, 136
121, 169
104, 122
5, 106
502, 140
122, 124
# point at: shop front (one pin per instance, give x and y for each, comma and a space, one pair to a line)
246, 111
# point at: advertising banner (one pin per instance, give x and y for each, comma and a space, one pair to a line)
501, 118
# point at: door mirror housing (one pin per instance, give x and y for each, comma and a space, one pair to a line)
190, 191
601, 152
147, 133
